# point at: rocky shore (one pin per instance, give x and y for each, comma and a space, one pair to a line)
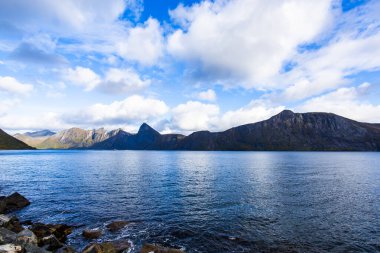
26, 236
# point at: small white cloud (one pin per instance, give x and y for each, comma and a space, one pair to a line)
123, 81
208, 95
83, 77
11, 85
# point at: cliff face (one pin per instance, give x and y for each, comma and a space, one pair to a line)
285, 131
9, 142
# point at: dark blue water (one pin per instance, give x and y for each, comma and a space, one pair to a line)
206, 201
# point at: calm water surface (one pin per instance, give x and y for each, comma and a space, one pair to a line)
206, 201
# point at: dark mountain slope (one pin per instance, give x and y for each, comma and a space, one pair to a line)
291, 131
9, 142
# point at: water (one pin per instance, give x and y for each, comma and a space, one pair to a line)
206, 201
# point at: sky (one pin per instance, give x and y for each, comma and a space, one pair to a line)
184, 66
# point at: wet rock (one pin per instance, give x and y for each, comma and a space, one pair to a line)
11, 223
60, 231
117, 225
91, 233
93, 248
121, 245
50, 243
26, 237
13, 202
65, 249
155, 248
11, 248
118, 246
30, 248
7, 236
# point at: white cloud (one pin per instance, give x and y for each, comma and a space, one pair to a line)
253, 112
123, 81
246, 39
11, 85
143, 44
332, 66
114, 80
347, 102
49, 120
83, 77
194, 115
7, 104
208, 95
133, 109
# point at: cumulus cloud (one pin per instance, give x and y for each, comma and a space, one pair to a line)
143, 44
208, 95
124, 81
346, 102
83, 77
114, 80
133, 109
11, 85
245, 39
194, 115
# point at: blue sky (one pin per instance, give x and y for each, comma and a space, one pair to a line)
183, 66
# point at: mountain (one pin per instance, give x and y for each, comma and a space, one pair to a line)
76, 138
284, 131
34, 139
9, 142
146, 139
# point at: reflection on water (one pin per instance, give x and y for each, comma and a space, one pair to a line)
207, 201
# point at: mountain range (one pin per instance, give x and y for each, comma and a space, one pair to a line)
284, 131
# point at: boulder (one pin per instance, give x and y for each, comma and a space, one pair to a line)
155, 248
117, 225
92, 233
121, 245
7, 236
11, 223
60, 231
50, 243
93, 248
30, 248
26, 237
65, 249
11, 248
118, 246
13, 202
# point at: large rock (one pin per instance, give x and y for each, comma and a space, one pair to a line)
155, 248
11, 223
30, 248
13, 202
65, 249
11, 248
93, 248
60, 231
50, 243
117, 225
118, 246
92, 233
26, 237
7, 236
121, 245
